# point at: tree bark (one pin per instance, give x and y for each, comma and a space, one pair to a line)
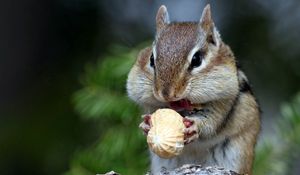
190, 169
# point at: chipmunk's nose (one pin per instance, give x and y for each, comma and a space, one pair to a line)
169, 95
164, 95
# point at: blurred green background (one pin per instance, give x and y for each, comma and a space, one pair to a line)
63, 68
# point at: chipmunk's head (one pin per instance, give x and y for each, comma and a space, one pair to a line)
189, 60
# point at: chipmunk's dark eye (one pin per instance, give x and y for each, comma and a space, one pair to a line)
152, 60
197, 59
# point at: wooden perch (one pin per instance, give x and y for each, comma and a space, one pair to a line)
190, 169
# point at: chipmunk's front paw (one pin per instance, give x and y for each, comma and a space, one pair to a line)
145, 125
191, 131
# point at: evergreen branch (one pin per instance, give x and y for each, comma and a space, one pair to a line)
276, 157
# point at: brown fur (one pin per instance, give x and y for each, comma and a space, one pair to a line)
144, 56
175, 42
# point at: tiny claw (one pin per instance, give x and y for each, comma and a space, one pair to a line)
145, 131
189, 134
144, 127
190, 137
188, 141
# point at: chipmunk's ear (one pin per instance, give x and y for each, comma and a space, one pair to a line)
162, 18
206, 21
207, 26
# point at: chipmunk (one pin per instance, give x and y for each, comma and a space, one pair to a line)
189, 65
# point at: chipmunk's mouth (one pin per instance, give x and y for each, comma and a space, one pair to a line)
180, 105
184, 107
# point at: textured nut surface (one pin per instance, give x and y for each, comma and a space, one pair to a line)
166, 137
